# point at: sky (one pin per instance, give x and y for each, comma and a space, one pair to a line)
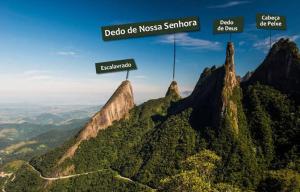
48, 49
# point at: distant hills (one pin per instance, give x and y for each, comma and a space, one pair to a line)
31, 130
226, 135
37, 114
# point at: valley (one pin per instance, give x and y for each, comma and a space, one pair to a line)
33, 131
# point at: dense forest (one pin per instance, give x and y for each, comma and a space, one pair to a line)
170, 144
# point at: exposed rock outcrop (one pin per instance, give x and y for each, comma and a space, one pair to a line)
173, 90
116, 108
280, 69
212, 93
230, 82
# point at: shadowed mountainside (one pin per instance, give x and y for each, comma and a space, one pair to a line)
280, 69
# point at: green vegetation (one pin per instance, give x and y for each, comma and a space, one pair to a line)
223, 138
156, 149
197, 175
163, 149
274, 124
280, 180
46, 162
98, 182
12, 166
48, 136
234, 145
26, 181
129, 143
122, 138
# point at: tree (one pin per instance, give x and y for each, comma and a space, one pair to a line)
197, 175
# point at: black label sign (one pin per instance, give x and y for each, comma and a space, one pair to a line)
115, 66
133, 30
267, 21
229, 25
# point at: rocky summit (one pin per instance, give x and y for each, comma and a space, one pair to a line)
173, 90
280, 69
116, 108
212, 92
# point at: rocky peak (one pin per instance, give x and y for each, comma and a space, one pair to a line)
173, 90
284, 45
280, 69
207, 71
116, 108
230, 80
229, 61
229, 106
230, 76
211, 96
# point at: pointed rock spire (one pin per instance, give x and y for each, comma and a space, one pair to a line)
229, 106
173, 90
229, 54
230, 76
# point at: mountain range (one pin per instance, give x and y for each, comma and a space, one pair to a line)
229, 134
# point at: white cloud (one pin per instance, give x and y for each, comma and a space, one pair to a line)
264, 44
183, 39
229, 4
36, 75
67, 53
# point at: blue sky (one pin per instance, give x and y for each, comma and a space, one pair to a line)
48, 48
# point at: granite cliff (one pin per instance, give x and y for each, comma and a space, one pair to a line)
116, 108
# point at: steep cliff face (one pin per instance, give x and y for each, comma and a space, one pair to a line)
230, 83
218, 114
280, 69
116, 108
173, 90
212, 93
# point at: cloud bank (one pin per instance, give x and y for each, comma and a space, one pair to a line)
184, 40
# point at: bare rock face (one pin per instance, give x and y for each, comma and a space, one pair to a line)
230, 82
210, 99
280, 69
173, 90
116, 108
230, 76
